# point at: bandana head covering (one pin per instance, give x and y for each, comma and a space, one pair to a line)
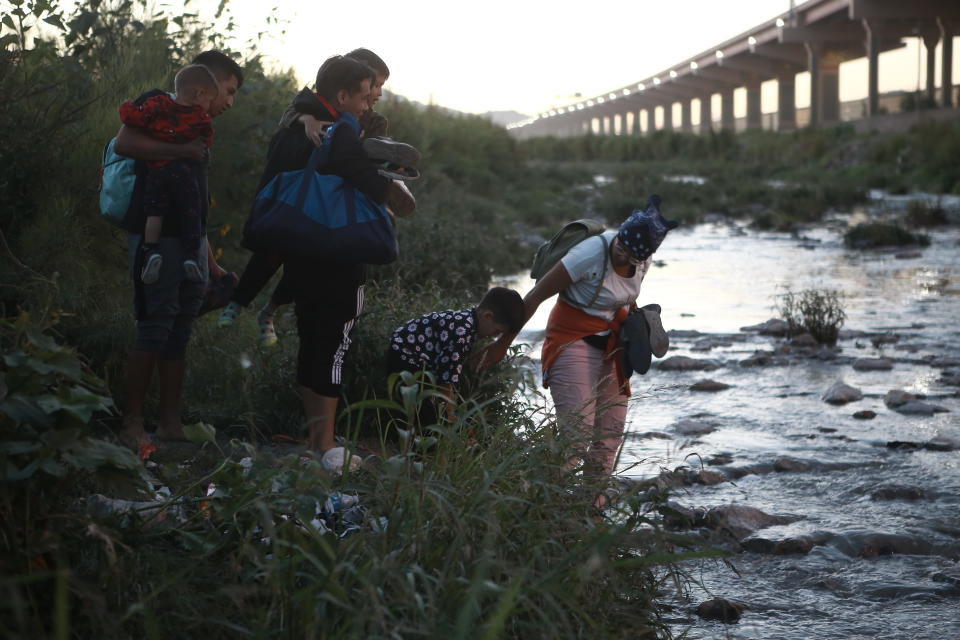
643, 231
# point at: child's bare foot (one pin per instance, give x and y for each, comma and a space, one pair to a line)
172, 432
132, 434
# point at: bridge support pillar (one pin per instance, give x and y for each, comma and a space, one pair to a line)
727, 120
686, 124
786, 102
667, 116
706, 117
824, 85
650, 115
754, 113
813, 66
930, 42
873, 69
635, 127
830, 88
946, 65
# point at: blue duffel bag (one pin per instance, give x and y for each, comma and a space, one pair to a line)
305, 214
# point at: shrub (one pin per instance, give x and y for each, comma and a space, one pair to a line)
814, 311
921, 213
870, 235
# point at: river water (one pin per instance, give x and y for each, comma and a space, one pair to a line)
884, 565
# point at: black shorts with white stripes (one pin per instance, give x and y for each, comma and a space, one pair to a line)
329, 299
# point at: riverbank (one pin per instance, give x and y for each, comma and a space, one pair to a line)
840, 516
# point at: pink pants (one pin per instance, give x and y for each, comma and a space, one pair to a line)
589, 407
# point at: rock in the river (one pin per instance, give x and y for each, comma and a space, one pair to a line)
872, 364
707, 477
684, 363
720, 459
942, 443
944, 362
920, 408
708, 385
793, 546
898, 492
866, 414
758, 359
693, 428
804, 341
772, 327
841, 393
897, 397
720, 609
739, 520
650, 434
677, 516
791, 464
683, 334
708, 343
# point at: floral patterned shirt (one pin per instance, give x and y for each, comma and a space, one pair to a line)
439, 342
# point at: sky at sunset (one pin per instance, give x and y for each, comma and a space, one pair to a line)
523, 55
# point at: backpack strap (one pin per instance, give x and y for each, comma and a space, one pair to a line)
603, 276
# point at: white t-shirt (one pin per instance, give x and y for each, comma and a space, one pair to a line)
584, 263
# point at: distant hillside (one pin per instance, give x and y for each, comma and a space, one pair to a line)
503, 118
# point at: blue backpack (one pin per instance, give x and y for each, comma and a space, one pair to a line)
310, 215
118, 177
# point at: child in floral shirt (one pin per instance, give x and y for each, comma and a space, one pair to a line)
440, 342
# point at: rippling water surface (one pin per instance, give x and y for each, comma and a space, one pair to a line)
716, 279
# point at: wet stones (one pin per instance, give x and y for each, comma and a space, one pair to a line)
684, 363
942, 443
791, 464
920, 408
758, 359
866, 414
708, 385
727, 611
773, 327
898, 492
872, 364
840, 393
785, 547
693, 428
945, 362
658, 435
707, 477
710, 342
897, 397
720, 459
739, 520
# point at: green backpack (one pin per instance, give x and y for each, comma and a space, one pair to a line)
572, 234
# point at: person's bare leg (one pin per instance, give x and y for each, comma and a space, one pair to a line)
140, 366
320, 412
152, 228
170, 426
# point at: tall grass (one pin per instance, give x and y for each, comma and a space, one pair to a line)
485, 532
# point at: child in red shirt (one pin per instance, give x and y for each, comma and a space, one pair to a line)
171, 189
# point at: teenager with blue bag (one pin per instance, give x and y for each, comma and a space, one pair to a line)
321, 209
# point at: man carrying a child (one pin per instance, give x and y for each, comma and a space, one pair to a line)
166, 307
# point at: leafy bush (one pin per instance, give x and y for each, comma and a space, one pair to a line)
871, 235
815, 311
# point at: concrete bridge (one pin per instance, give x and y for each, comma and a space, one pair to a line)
813, 37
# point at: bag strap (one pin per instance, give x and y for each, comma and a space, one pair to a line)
603, 276
318, 157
